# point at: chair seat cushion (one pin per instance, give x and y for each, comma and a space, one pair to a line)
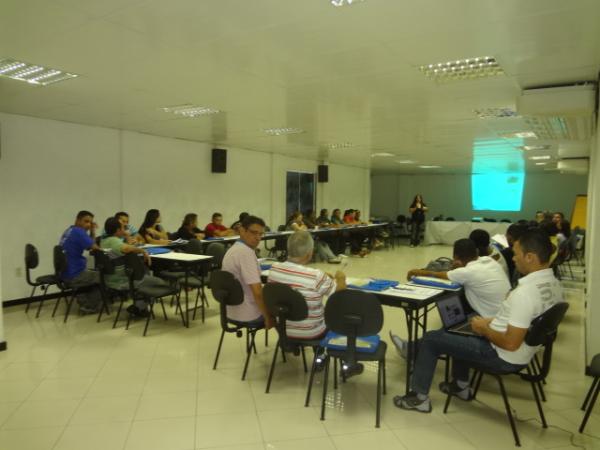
364, 344
157, 291
378, 355
171, 275
46, 279
192, 282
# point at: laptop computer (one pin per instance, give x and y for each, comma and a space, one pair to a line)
453, 316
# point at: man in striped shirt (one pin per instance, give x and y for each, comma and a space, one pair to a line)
313, 284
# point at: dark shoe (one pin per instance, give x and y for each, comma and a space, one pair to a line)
411, 402
352, 370
320, 363
452, 388
136, 312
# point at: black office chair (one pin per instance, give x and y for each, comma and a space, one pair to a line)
279, 248
228, 292
450, 219
66, 292
592, 395
43, 281
107, 266
353, 314
285, 303
542, 332
136, 270
505, 221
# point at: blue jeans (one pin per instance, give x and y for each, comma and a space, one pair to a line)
464, 350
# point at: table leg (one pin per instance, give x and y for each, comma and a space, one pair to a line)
409, 351
187, 311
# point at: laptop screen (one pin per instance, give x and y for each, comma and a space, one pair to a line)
451, 311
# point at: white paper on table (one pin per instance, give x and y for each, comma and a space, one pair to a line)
411, 291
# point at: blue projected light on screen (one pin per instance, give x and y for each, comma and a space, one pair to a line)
498, 175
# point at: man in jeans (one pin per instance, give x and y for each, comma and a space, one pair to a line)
75, 240
501, 344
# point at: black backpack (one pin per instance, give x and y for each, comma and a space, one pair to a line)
442, 264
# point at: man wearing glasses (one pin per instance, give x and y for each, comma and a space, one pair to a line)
240, 260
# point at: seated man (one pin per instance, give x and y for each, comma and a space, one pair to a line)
240, 260
75, 240
484, 247
314, 285
131, 233
216, 228
513, 233
300, 222
503, 345
483, 279
115, 232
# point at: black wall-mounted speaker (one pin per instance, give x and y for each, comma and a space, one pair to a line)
219, 160
323, 173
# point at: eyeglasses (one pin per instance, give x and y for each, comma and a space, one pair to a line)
256, 233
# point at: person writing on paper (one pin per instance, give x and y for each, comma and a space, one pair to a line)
502, 344
151, 231
240, 260
482, 278
216, 228
484, 282
189, 228
314, 284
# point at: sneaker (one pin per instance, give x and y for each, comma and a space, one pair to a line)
137, 312
412, 245
349, 371
400, 344
411, 402
334, 261
85, 310
452, 388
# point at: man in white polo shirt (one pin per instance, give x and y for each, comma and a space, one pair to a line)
241, 261
483, 279
502, 343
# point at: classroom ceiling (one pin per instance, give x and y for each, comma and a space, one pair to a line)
347, 76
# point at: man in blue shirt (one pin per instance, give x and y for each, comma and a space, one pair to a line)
75, 240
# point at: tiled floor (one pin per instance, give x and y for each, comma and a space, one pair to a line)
84, 385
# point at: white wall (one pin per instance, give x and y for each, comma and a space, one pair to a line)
49, 170
450, 195
592, 316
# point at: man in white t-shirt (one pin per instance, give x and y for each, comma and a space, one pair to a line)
241, 261
482, 278
502, 344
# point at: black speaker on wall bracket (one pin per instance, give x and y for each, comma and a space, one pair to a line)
323, 173
219, 160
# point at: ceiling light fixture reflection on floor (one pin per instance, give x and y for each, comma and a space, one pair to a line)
430, 167
405, 161
190, 110
495, 113
382, 155
340, 145
345, 2
32, 73
463, 69
282, 131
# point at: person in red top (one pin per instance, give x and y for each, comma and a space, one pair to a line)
216, 227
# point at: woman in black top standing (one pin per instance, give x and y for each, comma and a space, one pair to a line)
417, 209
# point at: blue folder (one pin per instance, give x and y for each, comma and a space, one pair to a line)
158, 250
376, 285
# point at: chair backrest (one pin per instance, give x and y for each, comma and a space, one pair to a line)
401, 218
60, 265
542, 331
31, 260
353, 314
217, 251
284, 303
104, 263
226, 289
194, 246
134, 267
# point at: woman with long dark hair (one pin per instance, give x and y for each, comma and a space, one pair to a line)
151, 230
417, 209
189, 228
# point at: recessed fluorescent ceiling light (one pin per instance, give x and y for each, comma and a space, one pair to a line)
519, 135
541, 157
405, 161
495, 113
430, 167
282, 131
31, 73
190, 110
344, 2
534, 147
463, 69
382, 154
540, 164
340, 145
